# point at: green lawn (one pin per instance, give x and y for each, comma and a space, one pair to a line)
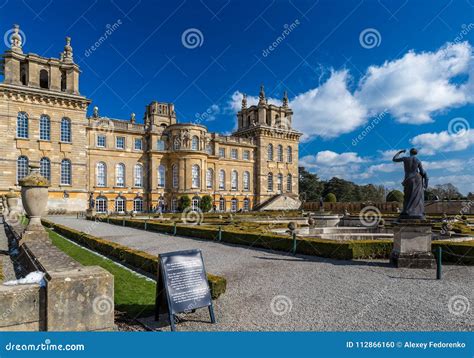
133, 294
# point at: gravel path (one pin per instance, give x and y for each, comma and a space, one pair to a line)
275, 291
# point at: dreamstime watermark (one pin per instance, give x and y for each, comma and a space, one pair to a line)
208, 115
44, 346
287, 29
110, 29
458, 126
458, 305
370, 38
103, 125
192, 38
281, 305
370, 216
369, 128
102, 305
192, 215
7, 37
465, 209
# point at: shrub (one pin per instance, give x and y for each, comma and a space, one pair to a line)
330, 198
184, 202
394, 195
206, 203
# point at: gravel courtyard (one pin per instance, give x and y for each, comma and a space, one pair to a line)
269, 291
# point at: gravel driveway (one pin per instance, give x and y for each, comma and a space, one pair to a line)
269, 291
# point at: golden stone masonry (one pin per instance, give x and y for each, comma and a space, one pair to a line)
129, 166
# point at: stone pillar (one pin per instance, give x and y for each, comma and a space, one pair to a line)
412, 244
34, 196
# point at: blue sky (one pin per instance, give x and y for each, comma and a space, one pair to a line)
405, 69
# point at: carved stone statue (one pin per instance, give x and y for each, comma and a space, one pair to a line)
91, 201
414, 183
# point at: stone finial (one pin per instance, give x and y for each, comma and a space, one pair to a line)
261, 96
67, 54
16, 40
244, 101
132, 117
285, 99
95, 112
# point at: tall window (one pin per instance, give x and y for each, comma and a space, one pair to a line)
175, 173
279, 153
101, 141
44, 79
209, 149
280, 182
120, 142
221, 204
22, 125
246, 181
270, 181
246, 205
45, 168
289, 154
174, 205
138, 205
120, 204
120, 175
21, 167
270, 152
160, 144
234, 154
138, 144
289, 183
66, 172
195, 143
176, 142
246, 155
161, 176
195, 203
195, 176
138, 175
66, 130
209, 178
234, 179
221, 179
45, 127
101, 174
222, 152
233, 205
101, 204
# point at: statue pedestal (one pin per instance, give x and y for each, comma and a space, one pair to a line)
412, 245
90, 212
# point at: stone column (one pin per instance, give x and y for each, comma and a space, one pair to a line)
34, 196
412, 244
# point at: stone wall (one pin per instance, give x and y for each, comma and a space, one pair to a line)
352, 207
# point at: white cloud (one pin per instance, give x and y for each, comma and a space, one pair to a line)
432, 143
387, 154
235, 102
332, 159
462, 182
450, 165
417, 85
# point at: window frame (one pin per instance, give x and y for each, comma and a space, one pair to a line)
22, 125
45, 128
65, 130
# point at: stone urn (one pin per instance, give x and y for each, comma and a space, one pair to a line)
12, 201
34, 196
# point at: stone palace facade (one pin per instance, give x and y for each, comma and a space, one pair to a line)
129, 166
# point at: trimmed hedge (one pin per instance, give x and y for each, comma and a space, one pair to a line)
135, 258
342, 250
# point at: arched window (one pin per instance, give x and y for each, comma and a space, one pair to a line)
66, 172
222, 179
21, 167
289, 154
221, 204
45, 127
161, 176
289, 183
101, 204
101, 174
138, 175
209, 178
270, 152
120, 204
234, 179
66, 130
120, 175
195, 176
246, 181
195, 203
279, 153
176, 142
175, 173
174, 205
138, 205
270, 181
63, 81
246, 205
45, 168
280, 182
195, 143
44, 79
22, 125
160, 144
234, 205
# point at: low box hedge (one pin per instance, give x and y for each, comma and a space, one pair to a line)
135, 258
454, 252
